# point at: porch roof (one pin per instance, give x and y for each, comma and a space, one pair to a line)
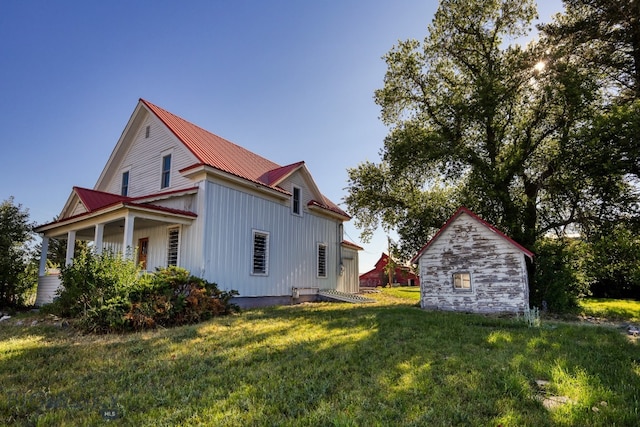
101, 205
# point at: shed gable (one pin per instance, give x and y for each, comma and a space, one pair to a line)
467, 249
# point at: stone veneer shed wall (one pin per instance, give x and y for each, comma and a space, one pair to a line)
496, 264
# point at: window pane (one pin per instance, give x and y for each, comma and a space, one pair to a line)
296, 200
166, 170
462, 281
124, 191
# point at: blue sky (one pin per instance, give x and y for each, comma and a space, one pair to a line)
289, 80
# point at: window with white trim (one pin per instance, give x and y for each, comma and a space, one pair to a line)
322, 260
462, 281
124, 187
296, 201
260, 255
173, 246
166, 171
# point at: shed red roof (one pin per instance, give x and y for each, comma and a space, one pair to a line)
459, 212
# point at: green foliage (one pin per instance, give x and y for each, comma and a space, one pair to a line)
172, 296
614, 269
558, 283
91, 281
17, 275
106, 293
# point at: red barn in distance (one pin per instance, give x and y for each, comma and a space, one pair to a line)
402, 275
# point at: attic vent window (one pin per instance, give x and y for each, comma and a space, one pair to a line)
147, 131
295, 202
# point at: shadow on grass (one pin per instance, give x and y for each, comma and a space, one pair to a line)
322, 364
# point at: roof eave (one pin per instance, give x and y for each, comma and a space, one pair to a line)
193, 171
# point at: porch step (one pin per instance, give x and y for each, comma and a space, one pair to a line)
343, 296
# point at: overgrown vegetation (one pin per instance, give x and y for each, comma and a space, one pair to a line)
107, 293
387, 363
18, 270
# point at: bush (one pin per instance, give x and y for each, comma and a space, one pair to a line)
93, 280
172, 296
615, 266
559, 281
107, 294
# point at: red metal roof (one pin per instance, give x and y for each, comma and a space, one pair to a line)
459, 212
217, 152
275, 175
94, 200
213, 150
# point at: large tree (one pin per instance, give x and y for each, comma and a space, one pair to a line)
602, 37
15, 236
479, 120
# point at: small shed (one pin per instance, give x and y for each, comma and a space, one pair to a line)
470, 265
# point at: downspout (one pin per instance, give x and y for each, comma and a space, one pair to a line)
340, 239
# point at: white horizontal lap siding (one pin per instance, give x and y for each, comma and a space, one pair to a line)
231, 217
497, 268
144, 161
184, 203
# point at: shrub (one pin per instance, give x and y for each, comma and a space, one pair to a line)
172, 296
558, 281
91, 281
106, 293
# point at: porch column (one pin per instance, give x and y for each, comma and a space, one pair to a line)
97, 240
43, 256
71, 246
127, 241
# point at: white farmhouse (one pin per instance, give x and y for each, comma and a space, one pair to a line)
173, 193
470, 265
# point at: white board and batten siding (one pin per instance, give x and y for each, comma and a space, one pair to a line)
349, 279
232, 216
143, 160
498, 270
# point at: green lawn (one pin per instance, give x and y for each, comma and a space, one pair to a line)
386, 363
611, 309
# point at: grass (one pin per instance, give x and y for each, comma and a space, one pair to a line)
627, 310
387, 363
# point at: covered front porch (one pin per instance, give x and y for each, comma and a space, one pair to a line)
148, 234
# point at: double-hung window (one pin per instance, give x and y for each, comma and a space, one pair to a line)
124, 187
166, 171
260, 255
